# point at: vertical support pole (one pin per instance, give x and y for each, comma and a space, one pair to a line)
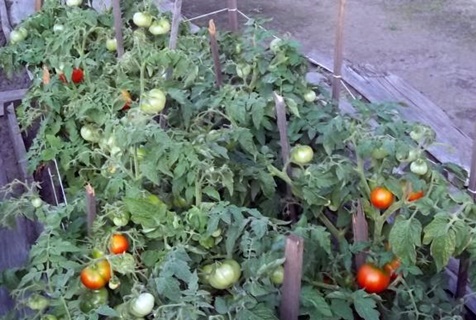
464, 259
291, 289
285, 149
5, 21
361, 232
176, 16
116, 10
90, 207
215, 53
233, 15
38, 5
338, 53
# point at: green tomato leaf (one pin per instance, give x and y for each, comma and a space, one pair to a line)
310, 298
442, 249
259, 312
342, 309
436, 228
106, 311
365, 305
404, 237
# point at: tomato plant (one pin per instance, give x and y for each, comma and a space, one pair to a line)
372, 279
96, 275
381, 198
193, 175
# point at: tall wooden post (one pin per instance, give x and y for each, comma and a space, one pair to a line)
338, 52
464, 260
291, 289
116, 9
233, 15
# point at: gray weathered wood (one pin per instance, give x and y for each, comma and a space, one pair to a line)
381, 87
11, 95
18, 144
291, 289
5, 21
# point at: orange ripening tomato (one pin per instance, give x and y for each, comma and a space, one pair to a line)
391, 267
381, 198
372, 279
126, 97
118, 244
415, 195
97, 275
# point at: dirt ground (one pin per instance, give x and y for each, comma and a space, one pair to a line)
429, 43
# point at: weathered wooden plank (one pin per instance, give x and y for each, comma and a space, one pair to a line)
18, 144
380, 87
11, 95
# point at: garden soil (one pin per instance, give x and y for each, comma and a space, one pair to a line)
431, 44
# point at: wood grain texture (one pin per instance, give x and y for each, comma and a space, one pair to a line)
291, 289
11, 95
383, 87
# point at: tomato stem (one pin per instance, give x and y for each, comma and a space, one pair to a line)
332, 229
380, 221
63, 301
322, 285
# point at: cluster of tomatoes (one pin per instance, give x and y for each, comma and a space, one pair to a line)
97, 275
369, 276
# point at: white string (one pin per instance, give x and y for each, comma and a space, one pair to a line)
205, 15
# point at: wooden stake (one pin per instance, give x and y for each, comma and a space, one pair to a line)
464, 260
291, 289
233, 15
5, 21
116, 10
174, 30
361, 232
176, 16
215, 53
284, 141
38, 5
338, 53
90, 207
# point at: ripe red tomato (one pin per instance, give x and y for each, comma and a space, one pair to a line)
381, 198
77, 76
97, 275
391, 267
372, 279
415, 195
118, 244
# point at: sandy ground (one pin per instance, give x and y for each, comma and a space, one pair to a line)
429, 43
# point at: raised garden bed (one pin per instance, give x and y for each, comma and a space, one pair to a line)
220, 163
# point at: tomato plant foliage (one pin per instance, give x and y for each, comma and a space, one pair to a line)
210, 185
